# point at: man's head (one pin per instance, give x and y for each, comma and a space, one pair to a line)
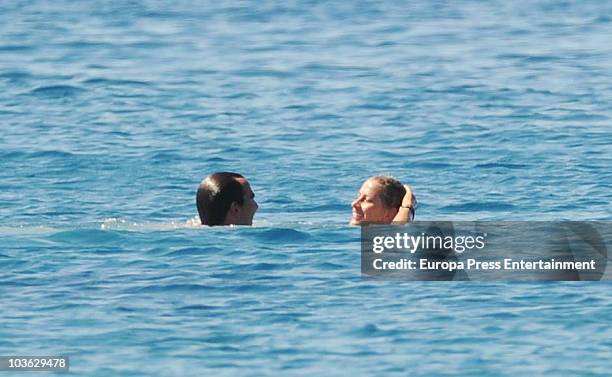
378, 200
225, 199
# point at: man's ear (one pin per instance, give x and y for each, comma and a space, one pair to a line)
234, 208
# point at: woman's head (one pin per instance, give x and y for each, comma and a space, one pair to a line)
378, 200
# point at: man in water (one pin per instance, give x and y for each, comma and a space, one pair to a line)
225, 198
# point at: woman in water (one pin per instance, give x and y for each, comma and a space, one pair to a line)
383, 200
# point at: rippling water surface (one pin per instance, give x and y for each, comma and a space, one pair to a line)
111, 114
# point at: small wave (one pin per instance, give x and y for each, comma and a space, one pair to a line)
216, 159
53, 154
282, 235
280, 199
244, 95
195, 117
44, 154
86, 235
543, 59
147, 44
431, 165
263, 266
14, 48
501, 315
195, 251
105, 81
300, 107
163, 156
370, 330
263, 73
321, 208
373, 106
479, 206
171, 288
57, 91
122, 224
312, 116
318, 67
15, 76
494, 165
329, 266
197, 307
88, 44
7, 155
583, 117
125, 309
25, 230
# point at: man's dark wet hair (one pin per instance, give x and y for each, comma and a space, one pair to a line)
216, 194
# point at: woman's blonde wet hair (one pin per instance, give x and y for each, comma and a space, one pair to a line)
391, 190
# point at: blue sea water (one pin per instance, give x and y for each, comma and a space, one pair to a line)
112, 112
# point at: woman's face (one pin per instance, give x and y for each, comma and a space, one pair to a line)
368, 206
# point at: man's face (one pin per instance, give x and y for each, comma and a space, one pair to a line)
248, 209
